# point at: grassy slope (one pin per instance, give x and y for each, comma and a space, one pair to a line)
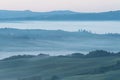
66, 68
112, 75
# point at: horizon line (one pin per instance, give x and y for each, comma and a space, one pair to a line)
61, 10
79, 30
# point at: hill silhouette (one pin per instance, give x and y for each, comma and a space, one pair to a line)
58, 15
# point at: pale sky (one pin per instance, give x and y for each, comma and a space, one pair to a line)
50, 5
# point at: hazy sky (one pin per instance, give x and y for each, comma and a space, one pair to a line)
50, 5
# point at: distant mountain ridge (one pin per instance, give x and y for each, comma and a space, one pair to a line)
58, 15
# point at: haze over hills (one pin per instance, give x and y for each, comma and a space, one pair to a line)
56, 40
93, 56
58, 15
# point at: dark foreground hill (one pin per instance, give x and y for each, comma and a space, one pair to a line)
58, 15
97, 65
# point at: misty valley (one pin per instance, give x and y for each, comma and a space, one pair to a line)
55, 41
37, 54
59, 45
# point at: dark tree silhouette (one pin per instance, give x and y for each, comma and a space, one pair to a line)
99, 53
55, 78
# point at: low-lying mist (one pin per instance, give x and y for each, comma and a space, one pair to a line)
54, 42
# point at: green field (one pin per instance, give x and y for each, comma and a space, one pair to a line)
60, 68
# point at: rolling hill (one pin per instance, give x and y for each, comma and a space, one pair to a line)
67, 67
56, 40
59, 15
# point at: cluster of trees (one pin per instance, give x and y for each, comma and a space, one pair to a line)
25, 56
18, 57
92, 54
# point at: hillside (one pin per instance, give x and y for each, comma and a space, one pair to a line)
67, 67
58, 15
56, 40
